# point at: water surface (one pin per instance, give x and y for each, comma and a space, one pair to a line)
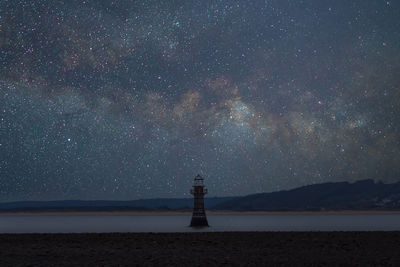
179, 223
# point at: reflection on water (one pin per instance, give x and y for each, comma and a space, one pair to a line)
179, 223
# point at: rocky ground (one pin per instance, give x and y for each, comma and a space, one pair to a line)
202, 249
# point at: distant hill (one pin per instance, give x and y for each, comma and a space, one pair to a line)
361, 195
106, 205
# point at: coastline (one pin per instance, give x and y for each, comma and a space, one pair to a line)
188, 213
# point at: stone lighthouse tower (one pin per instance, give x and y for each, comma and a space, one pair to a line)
198, 191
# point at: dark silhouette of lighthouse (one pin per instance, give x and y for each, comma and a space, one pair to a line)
198, 191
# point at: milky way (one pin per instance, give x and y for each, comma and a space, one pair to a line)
131, 99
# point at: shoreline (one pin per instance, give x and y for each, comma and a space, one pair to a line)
188, 213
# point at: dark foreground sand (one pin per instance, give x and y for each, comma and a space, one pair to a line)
202, 249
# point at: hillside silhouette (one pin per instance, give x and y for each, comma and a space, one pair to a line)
361, 195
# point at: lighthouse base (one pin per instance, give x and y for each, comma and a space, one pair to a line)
199, 222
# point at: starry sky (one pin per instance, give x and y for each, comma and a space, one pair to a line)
132, 99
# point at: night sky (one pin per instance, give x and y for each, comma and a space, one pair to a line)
132, 99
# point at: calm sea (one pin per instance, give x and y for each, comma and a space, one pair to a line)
179, 223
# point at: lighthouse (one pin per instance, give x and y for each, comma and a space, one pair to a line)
198, 191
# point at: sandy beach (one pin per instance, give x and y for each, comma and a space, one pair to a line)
202, 249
